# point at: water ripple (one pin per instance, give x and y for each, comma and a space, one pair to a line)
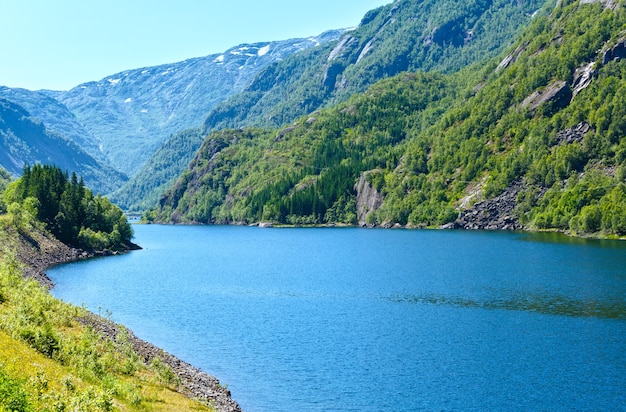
547, 305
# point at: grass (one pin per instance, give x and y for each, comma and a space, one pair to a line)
51, 362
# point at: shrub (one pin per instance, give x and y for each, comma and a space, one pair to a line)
12, 396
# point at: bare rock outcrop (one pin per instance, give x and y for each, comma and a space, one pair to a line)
492, 214
511, 58
368, 199
618, 51
583, 77
557, 93
608, 4
573, 134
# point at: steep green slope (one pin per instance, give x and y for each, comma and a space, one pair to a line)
539, 140
251, 174
67, 209
25, 140
143, 190
406, 35
57, 357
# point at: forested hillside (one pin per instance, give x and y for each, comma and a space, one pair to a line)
143, 190
106, 130
406, 35
56, 117
536, 138
132, 113
45, 195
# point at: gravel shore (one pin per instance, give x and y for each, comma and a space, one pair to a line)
43, 251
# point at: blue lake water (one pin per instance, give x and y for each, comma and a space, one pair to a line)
375, 320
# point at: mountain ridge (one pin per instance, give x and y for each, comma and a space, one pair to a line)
120, 120
401, 36
25, 140
134, 111
319, 77
543, 125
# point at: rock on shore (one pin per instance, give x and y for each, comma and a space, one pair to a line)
193, 382
492, 214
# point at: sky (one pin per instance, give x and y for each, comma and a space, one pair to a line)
57, 45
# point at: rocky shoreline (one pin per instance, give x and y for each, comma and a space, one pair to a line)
40, 253
492, 214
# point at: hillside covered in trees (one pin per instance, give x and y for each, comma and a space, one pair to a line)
46, 196
544, 124
405, 35
432, 35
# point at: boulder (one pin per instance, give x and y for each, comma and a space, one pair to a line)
573, 134
492, 214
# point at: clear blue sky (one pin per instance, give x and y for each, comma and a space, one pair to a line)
46, 44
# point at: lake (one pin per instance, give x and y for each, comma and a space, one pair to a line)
346, 319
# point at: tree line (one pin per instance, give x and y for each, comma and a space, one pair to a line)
46, 195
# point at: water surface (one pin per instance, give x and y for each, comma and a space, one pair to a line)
375, 320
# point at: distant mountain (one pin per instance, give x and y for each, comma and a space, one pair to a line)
25, 140
130, 114
55, 116
406, 35
534, 139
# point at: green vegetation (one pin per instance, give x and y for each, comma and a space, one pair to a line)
431, 144
47, 195
142, 191
51, 358
432, 35
49, 361
406, 35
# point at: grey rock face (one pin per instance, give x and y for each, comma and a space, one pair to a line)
368, 199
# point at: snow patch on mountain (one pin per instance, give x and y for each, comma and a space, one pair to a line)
263, 50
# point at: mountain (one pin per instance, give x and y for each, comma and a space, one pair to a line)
55, 116
25, 140
406, 35
130, 114
535, 139
142, 191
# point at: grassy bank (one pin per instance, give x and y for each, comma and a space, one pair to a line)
51, 361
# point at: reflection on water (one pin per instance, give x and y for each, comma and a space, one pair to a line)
548, 305
560, 238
